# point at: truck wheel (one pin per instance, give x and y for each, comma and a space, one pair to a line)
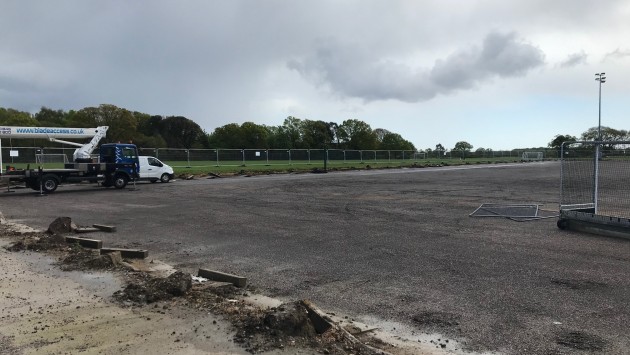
49, 183
562, 223
165, 178
120, 181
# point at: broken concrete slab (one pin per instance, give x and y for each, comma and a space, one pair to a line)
320, 320
86, 230
86, 243
105, 228
127, 253
237, 281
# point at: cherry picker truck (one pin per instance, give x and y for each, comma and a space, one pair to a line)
116, 165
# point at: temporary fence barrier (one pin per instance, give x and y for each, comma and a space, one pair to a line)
239, 157
594, 188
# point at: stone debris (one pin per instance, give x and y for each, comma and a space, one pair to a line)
61, 226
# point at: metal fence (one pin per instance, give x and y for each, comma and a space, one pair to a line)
595, 178
249, 157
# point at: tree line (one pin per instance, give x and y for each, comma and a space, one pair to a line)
180, 132
592, 134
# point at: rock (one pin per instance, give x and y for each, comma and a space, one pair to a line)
61, 225
177, 284
291, 319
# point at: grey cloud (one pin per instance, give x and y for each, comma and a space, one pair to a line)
574, 59
617, 54
352, 72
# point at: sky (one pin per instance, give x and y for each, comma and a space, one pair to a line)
497, 74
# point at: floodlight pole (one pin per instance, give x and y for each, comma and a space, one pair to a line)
601, 78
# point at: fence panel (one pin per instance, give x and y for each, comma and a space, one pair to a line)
244, 157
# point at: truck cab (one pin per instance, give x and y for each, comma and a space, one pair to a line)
121, 164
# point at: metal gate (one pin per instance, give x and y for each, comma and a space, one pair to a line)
595, 187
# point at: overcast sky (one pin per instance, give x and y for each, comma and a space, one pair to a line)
497, 74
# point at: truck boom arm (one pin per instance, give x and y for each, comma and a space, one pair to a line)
85, 150
54, 133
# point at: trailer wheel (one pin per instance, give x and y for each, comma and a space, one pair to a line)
120, 181
562, 223
165, 178
49, 183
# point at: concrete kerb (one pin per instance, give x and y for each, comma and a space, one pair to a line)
85, 242
237, 281
86, 230
127, 253
105, 228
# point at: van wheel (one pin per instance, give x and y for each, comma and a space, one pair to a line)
49, 183
120, 181
165, 178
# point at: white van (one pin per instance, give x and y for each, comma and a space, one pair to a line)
152, 169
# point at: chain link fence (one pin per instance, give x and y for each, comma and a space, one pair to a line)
595, 178
247, 157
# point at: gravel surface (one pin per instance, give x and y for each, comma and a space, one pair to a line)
392, 246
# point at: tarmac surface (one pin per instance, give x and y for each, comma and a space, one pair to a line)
395, 248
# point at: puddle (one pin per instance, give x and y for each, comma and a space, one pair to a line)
404, 336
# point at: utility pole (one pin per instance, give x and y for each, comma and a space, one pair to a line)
600, 77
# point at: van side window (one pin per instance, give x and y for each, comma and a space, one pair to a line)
154, 162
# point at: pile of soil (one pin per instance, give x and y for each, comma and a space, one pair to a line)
147, 290
38, 242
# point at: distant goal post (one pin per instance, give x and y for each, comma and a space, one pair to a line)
51, 158
532, 156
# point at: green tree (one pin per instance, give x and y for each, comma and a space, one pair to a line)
380, 134
394, 141
11, 117
608, 134
253, 136
292, 129
47, 117
355, 134
122, 125
439, 150
463, 146
180, 132
228, 136
557, 141
315, 134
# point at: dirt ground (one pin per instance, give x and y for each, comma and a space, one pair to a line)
393, 249
60, 298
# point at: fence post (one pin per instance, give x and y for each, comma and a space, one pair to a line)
267, 153
289, 156
188, 157
344, 156
361, 155
217, 151
308, 152
243, 152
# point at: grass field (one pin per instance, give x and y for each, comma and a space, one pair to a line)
237, 166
